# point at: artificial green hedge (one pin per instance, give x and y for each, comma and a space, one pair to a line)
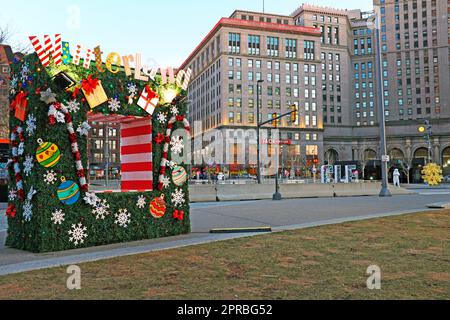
41, 234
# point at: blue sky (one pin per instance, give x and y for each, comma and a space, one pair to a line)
165, 32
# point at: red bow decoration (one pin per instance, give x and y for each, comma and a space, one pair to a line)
160, 138
19, 101
11, 211
180, 118
150, 93
89, 85
178, 215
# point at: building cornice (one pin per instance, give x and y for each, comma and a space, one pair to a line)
251, 25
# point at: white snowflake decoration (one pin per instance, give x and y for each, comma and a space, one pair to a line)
28, 165
132, 91
14, 82
48, 96
101, 210
31, 193
78, 234
91, 199
73, 106
58, 217
27, 211
12, 195
114, 105
178, 198
50, 177
177, 145
24, 72
141, 202
174, 111
165, 182
31, 125
123, 218
162, 118
84, 129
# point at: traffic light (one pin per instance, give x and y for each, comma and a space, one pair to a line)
294, 114
275, 121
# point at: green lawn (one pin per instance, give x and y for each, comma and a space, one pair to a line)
413, 252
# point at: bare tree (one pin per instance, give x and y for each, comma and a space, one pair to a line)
6, 34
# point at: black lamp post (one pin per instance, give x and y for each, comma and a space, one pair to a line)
258, 142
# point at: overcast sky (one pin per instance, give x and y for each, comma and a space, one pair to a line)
165, 32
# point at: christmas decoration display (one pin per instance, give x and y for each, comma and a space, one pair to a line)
94, 92
16, 148
158, 207
68, 192
58, 100
48, 154
432, 174
179, 175
149, 100
165, 154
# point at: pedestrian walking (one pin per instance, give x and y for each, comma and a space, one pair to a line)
396, 178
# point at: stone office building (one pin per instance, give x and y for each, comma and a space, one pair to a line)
324, 60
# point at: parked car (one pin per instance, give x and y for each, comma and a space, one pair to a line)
446, 179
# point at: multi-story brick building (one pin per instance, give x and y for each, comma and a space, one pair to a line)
338, 102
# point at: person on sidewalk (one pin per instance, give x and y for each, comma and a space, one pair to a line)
396, 178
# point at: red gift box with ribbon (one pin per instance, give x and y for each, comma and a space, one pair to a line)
94, 92
148, 100
19, 105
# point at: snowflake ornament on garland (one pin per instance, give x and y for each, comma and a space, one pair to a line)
58, 217
175, 111
50, 177
84, 129
177, 145
91, 199
114, 105
24, 72
31, 125
141, 203
78, 234
27, 211
178, 198
73, 106
12, 195
165, 182
132, 92
48, 96
28, 165
123, 218
101, 210
162, 118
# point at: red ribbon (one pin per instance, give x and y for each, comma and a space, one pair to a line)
11, 211
178, 215
19, 101
150, 93
89, 85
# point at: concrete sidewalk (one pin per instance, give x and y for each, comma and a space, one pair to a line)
284, 215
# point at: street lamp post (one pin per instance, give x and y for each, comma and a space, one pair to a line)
381, 114
258, 142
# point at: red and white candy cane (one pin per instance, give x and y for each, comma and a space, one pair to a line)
58, 107
165, 154
16, 151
